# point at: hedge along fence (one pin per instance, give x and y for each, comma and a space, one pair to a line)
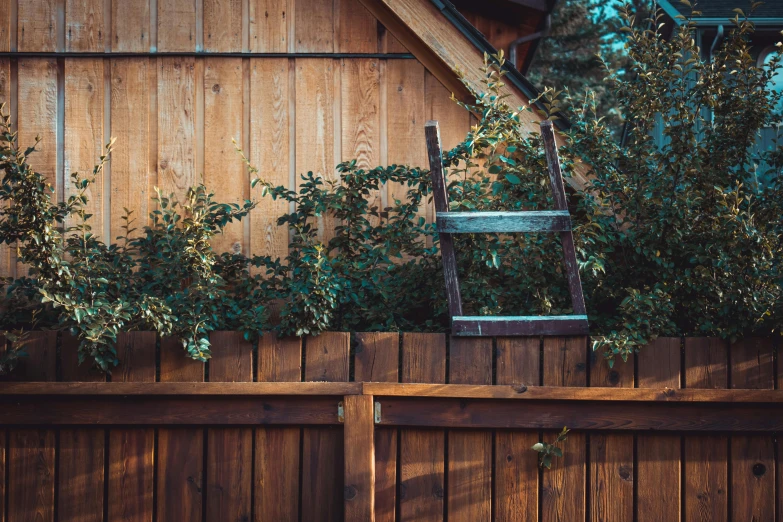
356, 439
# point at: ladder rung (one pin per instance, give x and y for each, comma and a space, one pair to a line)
528, 221
519, 325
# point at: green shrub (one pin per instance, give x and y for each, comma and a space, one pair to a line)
673, 236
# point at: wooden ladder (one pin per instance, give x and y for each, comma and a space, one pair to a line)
558, 220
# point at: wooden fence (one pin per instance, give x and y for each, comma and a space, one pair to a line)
336, 427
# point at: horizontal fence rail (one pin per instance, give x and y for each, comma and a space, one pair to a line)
387, 426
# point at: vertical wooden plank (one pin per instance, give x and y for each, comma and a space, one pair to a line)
269, 150
81, 451
357, 29
84, 31
564, 498
706, 456
223, 26
37, 27
5, 98
322, 448
658, 456
38, 114
131, 458
454, 120
5, 26
611, 455
405, 125
84, 107
130, 26
470, 453
359, 462
176, 25
229, 450
515, 497
277, 449
422, 452
268, 26
752, 456
377, 360
224, 173
180, 450
130, 168
31, 452
176, 125
361, 117
315, 123
314, 26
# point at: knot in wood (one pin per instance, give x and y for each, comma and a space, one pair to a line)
350, 492
625, 473
519, 388
216, 88
759, 469
437, 491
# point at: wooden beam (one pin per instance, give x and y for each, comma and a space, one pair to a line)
180, 388
480, 222
579, 415
443, 48
488, 326
47, 410
358, 433
559, 394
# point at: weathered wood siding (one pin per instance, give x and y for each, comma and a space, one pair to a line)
308, 84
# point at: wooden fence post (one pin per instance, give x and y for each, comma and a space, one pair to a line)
359, 492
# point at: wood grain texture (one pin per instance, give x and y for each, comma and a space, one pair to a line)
5, 26
563, 487
131, 174
176, 125
269, 150
37, 26
356, 28
268, 21
480, 222
484, 326
515, 496
130, 26
80, 480
31, 452
752, 364
405, 123
706, 362
454, 120
223, 26
315, 125
38, 114
84, 30
84, 107
361, 119
131, 450
180, 457
314, 26
752, 458
422, 452
706, 458
377, 357
176, 25
377, 360
229, 450
470, 453
277, 449
359, 461
224, 172
81, 451
327, 359
31, 465
658, 465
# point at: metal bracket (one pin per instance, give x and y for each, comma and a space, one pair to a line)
340, 412
377, 412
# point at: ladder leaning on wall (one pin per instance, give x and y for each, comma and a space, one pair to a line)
558, 220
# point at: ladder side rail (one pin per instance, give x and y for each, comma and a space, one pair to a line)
440, 197
566, 237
